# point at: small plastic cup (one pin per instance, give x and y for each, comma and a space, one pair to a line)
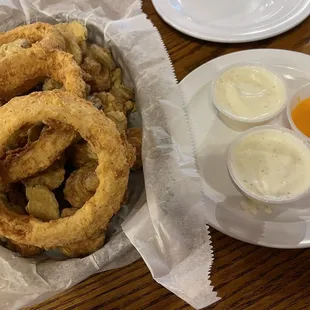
301, 94
250, 194
240, 123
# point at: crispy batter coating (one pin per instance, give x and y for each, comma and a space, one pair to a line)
25, 135
91, 66
68, 212
33, 65
36, 156
42, 125
38, 34
99, 76
78, 30
81, 185
111, 103
74, 33
122, 93
13, 47
100, 82
42, 203
84, 248
102, 55
119, 119
134, 136
105, 142
51, 178
79, 154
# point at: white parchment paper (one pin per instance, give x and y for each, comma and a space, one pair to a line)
170, 232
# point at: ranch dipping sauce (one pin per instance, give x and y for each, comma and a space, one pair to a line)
270, 164
249, 92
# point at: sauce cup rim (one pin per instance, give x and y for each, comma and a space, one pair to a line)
239, 184
261, 119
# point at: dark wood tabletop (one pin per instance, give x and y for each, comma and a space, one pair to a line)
245, 276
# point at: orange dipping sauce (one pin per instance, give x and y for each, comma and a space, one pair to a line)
301, 116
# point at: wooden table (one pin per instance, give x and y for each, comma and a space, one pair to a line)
244, 275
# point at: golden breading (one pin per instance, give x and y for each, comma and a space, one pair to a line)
119, 119
42, 34
42, 203
91, 66
13, 47
38, 155
78, 30
23, 136
33, 65
109, 102
95, 128
102, 55
122, 93
51, 178
81, 185
68, 212
58, 149
74, 34
98, 76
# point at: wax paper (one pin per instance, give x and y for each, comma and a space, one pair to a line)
170, 231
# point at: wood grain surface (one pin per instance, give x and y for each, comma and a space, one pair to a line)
245, 276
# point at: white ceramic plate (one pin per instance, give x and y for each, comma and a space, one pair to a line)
233, 20
288, 226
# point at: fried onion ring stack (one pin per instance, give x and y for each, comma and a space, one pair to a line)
65, 148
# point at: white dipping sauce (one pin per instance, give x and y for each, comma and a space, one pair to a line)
272, 164
249, 92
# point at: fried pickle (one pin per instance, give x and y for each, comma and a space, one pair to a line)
102, 55
119, 119
42, 203
81, 185
79, 154
73, 33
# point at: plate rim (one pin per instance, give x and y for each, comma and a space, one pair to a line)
186, 89
304, 14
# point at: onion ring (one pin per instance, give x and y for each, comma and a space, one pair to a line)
38, 34
112, 170
22, 70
